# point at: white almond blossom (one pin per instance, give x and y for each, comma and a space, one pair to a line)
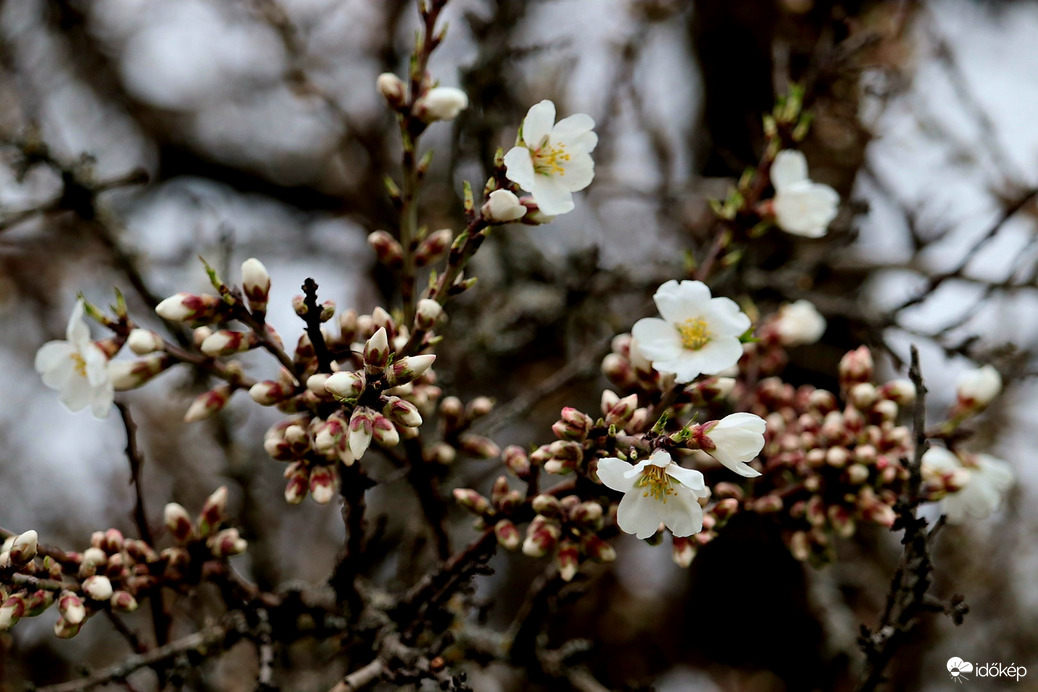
698, 334
978, 387
802, 206
553, 160
656, 491
736, 440
799, 323
77, 368
984, 479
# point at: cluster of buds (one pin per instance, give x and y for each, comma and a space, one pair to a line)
456, 419
113, 572
827, 467
371, 396
571, 528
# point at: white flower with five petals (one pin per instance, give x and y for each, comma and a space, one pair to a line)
77, 368
656, 491
984, 479
802, 206
553, 160
698, 334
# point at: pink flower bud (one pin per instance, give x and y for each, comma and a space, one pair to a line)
597, 549
345, 385
63, 629
214, 512
208, 403
477, 446
515, 459
683, 551
298, 483
901, 392
123, 601
392, 89
408, 369
189, 307
144, 341
255, 284
426, 314
227, 543
360, 430
131, 374
622, 412
547, 505
433, 247
402, 412
856, 366
11, 611
71, 607
178, 522
618, 370
541, 536
269, 392
384, 432
507, 534
567, 558
976, 389
23, 549
227, 342
98, 587
387, 250
376, 351
472, 501
322, 484
573, 425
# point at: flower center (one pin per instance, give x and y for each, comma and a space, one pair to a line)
695, 333
80, 364
656, 482
549, 158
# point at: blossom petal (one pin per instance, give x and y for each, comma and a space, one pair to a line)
101, 401
552, 198
538, 122
725, 318
577, 173
76, 393
77, 331
656, 339
790, 167
54, 361
681, 513
519, 167
678, 302
999, 473
717, 355
639, 513
941, 460
96, 364
612, 472
570, 127
690, 478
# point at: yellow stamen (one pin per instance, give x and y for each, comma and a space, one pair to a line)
656, 482
80, 364
548, 158
695, 333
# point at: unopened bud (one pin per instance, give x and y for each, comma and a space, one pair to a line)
548, 505
360, 431
567, 559
402, 412
123, 601
214, 512
227, 543
901, 392
502, 206
620, 415
683, 551
130, 374
23, 550
507, 534
541, 536
387, 250
975, 389
98, 587
179, 523
71, 607
573, 425
433, 247
298, 483
384, 432
392, 89
598, 549
856, 366
208, 403
322, 484
376, 351
408, 369
189, 307
426, 314
515, 459
255, 284
345, 385
477, 446
472, 500
227, 342
144, 341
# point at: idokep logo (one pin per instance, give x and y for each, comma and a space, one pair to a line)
961, 670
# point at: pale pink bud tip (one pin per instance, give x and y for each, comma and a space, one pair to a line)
178, 521
24, 548
255, 280
208, 403
426, 314
188, 307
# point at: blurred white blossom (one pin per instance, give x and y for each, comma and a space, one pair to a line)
802, 206
77, 368
799, 323
984, 482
